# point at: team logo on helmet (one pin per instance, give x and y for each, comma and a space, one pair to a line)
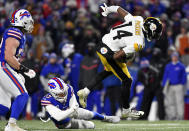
52, 85
153, 26
26, 13
103, 50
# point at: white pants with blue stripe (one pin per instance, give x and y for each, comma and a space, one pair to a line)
11, 84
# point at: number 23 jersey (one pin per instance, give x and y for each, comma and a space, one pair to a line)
127, 36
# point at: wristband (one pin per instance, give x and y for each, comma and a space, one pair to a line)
113, 8
23, 69
128, 17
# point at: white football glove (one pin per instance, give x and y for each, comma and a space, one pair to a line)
104, 7
31, 73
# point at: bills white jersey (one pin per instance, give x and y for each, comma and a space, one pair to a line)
127, 36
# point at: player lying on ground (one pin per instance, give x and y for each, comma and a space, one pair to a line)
63, 109
118, 47
11, 81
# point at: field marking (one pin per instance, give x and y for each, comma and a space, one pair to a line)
150, 124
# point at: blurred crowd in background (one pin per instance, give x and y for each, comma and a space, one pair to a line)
63, 45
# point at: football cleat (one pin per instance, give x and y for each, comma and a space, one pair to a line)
83, 93
132, 113
13, 127
112, 119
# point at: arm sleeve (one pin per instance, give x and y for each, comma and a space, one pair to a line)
14, 34
58, 114
165, 76
61, 70
73, 102
44, 71
184, 78
44, 82
128, 17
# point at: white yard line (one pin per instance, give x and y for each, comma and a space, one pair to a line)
148, 124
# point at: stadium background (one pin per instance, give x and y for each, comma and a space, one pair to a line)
58, 22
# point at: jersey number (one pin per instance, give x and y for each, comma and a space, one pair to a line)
122, 33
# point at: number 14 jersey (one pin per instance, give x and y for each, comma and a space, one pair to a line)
127, 36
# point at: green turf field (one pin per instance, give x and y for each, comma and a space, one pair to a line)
36, 125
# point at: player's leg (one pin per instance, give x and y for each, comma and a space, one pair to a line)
13, 84
120, 70
5, 102
83, 93
80, 124
90, 115
76, 124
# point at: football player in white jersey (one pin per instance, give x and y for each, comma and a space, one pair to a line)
62, 108
118, 47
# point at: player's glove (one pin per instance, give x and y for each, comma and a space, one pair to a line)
106, 10
31, 73
28, 72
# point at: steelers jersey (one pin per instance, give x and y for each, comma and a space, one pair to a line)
14, 33
127, 36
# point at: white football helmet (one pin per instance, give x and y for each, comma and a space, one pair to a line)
22, 18
67, 50
58, 89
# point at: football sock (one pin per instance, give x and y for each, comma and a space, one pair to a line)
125, 93
98, 116
3, 110
18, 105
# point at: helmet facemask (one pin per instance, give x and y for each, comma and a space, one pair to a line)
58, 89
28, 25
60, 96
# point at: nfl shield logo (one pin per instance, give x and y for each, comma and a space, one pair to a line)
103, 50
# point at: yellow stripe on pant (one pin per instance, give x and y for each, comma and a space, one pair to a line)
121, 66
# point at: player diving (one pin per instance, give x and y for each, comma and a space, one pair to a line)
62, 108
11, 81
117, 48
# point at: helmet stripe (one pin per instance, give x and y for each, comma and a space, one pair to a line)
59, 83
13, 16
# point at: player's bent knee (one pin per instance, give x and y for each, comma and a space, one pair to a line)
82, 124
86, 124
23, 98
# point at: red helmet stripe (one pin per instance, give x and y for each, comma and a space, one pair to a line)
59, 83
13, 16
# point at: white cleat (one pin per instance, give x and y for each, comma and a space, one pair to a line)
83, 93
132, 113
112, 119
13, 127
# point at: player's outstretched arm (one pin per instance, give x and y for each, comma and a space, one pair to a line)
58, 114
115, 9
